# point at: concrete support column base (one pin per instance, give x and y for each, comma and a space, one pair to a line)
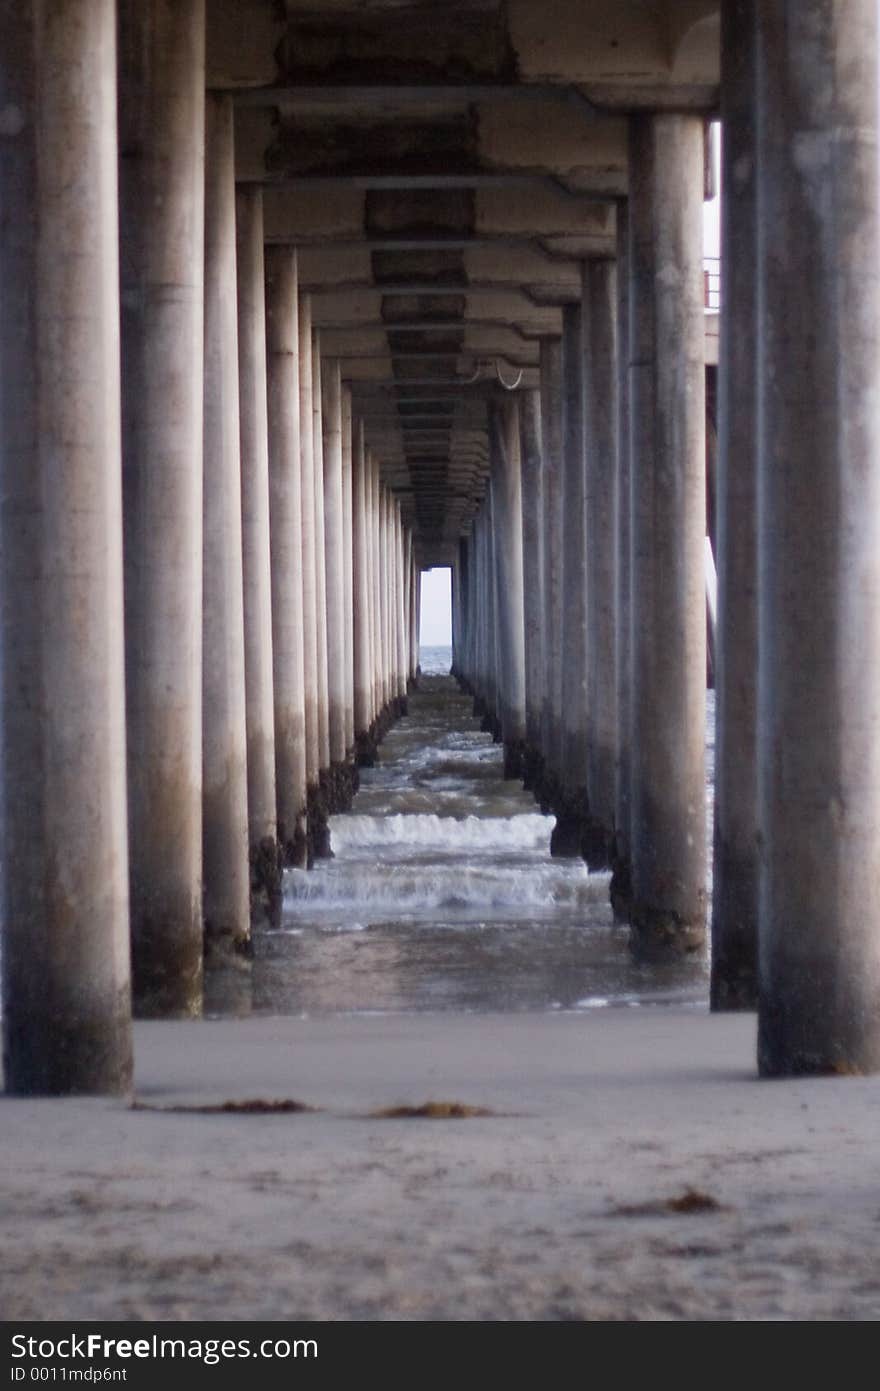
294, 843
223, 952
514, 760
565, 842
491, 724
596, 846
365, 748
266, 868
167, 966
343, 782
620, 890
532, 768
572, 820
734, 980
658, 934
318, 838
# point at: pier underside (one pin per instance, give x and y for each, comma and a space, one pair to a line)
300, 300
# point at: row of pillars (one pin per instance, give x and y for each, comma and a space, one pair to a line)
209, 596
580, 600
128, 721
582, 583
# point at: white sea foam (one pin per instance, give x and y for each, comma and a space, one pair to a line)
528, 833
401, 889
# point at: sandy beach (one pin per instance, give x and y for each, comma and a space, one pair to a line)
633, 1168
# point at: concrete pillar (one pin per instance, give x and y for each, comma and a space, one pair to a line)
457, 613
476, 584
818, 509
462, 665
462, 581
508, 518
361, 588
161, 204
324, 751
571, 807
551, 457
393, 594
668, 432
226, 894
489, 640
483, 627
384, 606
600, 371
493, 723
285, 504
735, 877
347, 570
476, 572
621, 879
309, 562
256, 554
473, 605
376, 614
533, 571
331, 398
413, 613
66, 999
400, 618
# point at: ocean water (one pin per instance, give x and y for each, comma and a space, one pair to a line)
435, 661
442, 895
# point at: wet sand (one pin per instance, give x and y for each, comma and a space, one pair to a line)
557, 1207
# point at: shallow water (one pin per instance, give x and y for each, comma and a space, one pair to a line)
442, 894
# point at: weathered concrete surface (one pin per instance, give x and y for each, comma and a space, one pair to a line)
571, 807
668, 424
324, 751
225, 859
309, 563
508, 548
331, 416
621, 880
533, 576
66, 994
551, 477
600, 447
361, 596
285, 513
161, 228
465, 178
736, 836
819, 496
256, 556
348, 562
553, 1209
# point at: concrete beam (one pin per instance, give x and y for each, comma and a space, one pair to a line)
338, 211
577, 153
620, 52
241, 39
